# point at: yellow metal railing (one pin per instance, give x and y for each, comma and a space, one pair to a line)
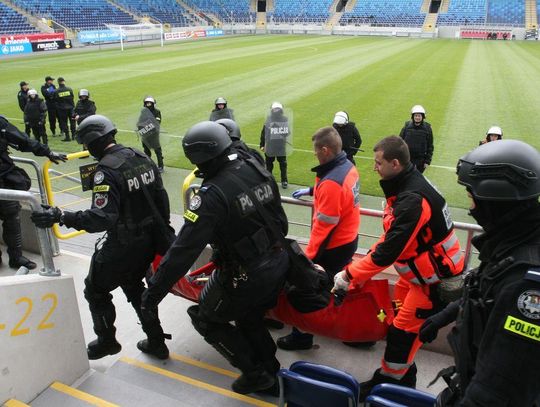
47, 179
186, 185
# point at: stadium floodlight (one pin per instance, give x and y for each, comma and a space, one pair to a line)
137, 32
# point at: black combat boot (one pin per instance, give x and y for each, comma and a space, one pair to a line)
66, 137
296, 340
257, 380
106, 343
22, 261
155, 347
408, 380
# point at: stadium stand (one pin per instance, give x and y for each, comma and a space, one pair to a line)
464, 12
162, 11
396, 13
300, 11
226, 10
506, 13
77, 14
12, 22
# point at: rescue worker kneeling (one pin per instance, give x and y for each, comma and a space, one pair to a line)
419, 240
124, 182
251, 265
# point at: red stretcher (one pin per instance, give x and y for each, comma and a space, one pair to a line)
364, 316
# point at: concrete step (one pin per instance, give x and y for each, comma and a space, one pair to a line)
59, 394
189, 381
122, 393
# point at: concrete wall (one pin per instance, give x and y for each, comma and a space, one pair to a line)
41, 336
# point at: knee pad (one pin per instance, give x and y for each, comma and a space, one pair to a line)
134, 294
99, 302
398, 345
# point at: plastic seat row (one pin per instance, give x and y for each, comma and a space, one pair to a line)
385, 12
164, 11
12, 22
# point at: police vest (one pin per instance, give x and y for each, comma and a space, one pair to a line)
416, 138
244, 236
134, 170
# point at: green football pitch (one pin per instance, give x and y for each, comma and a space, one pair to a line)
465, 86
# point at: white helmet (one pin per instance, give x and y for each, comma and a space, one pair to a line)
341, 118
84, 92
150, 99
32, 92
277, 105
495, 130
418, 109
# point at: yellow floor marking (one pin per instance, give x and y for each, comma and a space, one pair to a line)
15, 403
204, 365
81, 395
196, 383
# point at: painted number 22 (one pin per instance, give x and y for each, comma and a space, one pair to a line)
43, 324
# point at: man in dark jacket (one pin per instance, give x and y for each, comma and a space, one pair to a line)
13, 177
48, 90
64, 100
84, 108
124, 183
35, 113
496, 339
418, 135
251, 265
22, 98
350, 137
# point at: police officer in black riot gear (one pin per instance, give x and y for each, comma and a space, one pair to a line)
120, 207
84, 107
418, 135
496, 340
221, 111
275, 135
251, 265
237, 144
13, 177
149, 125
350, 136
64, 102
35, 113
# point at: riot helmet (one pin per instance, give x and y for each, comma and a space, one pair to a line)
205, 141
32, 93
149, 101
341, 118
494, 131
232, 128
418, 109
508, 170
276, 106
83, 93
93, 128
220, 101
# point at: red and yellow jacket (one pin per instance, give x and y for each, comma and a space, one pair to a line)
336, 205
418, 239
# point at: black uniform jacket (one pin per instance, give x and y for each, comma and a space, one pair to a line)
221, 214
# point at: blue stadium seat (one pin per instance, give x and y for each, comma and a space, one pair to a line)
396, 13
77, 14
392, 395
308, 384
506, 13
300, 11
229, 11
164, 11
12, 22
464, 12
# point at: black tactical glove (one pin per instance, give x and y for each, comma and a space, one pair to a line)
47, 217
56, 157
430, 328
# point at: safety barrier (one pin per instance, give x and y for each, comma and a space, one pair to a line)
44, 244
42, 195
50, 193
470, 229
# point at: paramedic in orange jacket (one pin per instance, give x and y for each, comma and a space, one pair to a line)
419, 240
336, 215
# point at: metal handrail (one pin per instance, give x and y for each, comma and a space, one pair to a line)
43, 196
44, 243
50, 194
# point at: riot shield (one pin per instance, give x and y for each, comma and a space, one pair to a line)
278, 134
148, 129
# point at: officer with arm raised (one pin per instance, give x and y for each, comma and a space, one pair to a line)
124, 181
496, 340
13, 177
251, 265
